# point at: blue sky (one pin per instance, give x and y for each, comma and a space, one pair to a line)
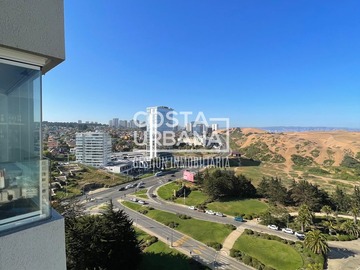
260, 63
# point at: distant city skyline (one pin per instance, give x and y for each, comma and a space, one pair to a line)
258, 63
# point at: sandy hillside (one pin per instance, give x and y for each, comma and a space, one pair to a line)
322, 147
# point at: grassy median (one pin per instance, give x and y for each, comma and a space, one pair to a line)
203, 231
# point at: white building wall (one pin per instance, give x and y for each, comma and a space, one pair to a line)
157, 121
93, 148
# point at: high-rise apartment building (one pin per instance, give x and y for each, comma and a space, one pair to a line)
115, 122
93, 148
159, 121
214, 127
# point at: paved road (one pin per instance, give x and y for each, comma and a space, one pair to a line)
184, 243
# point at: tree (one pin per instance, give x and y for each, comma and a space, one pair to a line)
305, 217
341, 200
330, 226
316, 242
273, 189
303, 192
222, 183
356, 196
105, 241
354, 211
350, 228
327, 210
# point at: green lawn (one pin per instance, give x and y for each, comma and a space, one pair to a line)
233, 208
160, 256
141, 193
270, 252
195, 197
203, 231
167, 191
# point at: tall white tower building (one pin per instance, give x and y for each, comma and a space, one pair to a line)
93, 148
158, 121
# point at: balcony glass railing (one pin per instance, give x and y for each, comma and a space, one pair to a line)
24, 194
25, 197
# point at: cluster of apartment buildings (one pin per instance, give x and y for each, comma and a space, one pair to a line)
131, 124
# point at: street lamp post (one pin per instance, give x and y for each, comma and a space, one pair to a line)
184, 195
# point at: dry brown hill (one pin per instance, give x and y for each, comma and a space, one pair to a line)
319, 148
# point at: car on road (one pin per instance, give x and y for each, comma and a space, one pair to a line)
169, 180
153, 196
122, 188
140, 185
192, 207
300, 235
219, 214
287, 230
141, 202
239, 218
209, 212
273, 227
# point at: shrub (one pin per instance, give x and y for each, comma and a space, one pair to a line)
181, 216
247, 259
150, 240
230, 227
345, 237
172, 224
248, 216
214, 245
143, 211
301, 161
248, 231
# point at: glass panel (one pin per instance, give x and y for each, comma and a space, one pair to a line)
23, 175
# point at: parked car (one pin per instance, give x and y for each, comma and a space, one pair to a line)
300, 235
219, 214
287, 230
209, 212
201, 210
239, 218
192, 207
273, 227
169, 180
173, 175
122, 188
128, 186
141, 202
134, 199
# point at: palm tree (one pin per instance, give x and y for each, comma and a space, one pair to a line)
316, 242
327, 210
354, 211
330, 225
305, 217
350, 228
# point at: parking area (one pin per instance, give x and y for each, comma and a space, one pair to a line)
344, 255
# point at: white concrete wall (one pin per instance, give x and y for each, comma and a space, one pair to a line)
39, 246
